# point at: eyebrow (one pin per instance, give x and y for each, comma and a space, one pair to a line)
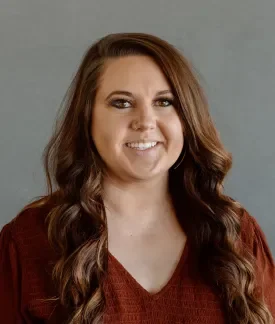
129, 94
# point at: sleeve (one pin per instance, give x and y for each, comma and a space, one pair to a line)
265, 267
9, 280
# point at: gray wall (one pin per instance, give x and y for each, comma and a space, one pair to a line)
231, 43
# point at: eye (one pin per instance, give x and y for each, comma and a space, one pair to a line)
164, 102
120, 103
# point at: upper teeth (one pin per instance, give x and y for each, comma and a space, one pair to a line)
141, 146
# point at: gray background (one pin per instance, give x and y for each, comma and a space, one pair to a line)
231, 43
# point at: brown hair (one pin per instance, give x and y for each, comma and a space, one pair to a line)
77, 227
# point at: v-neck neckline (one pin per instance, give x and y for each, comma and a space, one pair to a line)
137, 286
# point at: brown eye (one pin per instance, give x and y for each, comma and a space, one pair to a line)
165, 102
121, 103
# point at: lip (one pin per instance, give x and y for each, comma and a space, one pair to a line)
149, 152
143, 141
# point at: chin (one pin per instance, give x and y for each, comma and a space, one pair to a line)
148, 175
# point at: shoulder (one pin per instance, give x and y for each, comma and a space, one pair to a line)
248, 225
26, 262
255, 243
253, 237
28, 230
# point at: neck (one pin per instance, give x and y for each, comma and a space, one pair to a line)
142, 201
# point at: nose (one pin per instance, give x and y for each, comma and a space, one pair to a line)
146, 120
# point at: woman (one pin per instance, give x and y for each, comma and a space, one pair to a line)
135, 227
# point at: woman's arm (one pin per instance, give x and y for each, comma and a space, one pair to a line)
265, 267
10, 279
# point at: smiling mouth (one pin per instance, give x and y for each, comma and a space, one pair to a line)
141, 146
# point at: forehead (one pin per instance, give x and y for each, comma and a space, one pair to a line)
132, 73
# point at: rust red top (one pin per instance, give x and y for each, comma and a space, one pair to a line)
26, 260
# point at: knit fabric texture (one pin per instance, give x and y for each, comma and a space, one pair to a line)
27, 259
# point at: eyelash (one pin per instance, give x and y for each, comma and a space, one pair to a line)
114, 102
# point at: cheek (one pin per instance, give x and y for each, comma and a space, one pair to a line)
103, 143
175, 131
101, 125
108, 134
100, 135
102, 139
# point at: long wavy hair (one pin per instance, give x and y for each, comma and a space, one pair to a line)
77, 226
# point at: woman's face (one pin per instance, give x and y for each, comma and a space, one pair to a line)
135, 126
